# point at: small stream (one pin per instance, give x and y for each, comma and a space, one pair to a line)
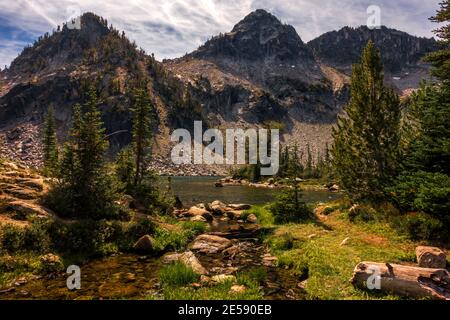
133, 276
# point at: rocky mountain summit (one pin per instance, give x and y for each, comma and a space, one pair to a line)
58, 70
401, 52
266, 57
260, 74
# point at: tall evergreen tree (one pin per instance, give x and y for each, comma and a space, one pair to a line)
430, 150
366, 139
50, 143
424, 184
84, 187
441, 58
141, 134
309, 163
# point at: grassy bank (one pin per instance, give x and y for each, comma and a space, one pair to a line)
179, 283
22, 249
325, 251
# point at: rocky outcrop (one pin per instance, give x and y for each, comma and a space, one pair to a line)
196, 211
210, 244
21, 190
342, 48
259, 73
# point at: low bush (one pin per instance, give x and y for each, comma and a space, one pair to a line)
420, 226
290, 208
12, 238
362, 213
265, 217
423, 191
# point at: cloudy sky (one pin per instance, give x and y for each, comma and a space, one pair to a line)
170, 28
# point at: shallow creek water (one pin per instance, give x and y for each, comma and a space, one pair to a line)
132, 276
136, 277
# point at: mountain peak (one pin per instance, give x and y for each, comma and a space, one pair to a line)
257, 19
343, 48
260, 35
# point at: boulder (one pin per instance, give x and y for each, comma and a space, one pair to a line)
189, 259
252, 218
171, 258
201, 206
196, 211
240, 206
238, 288
222, 278
51, 262
27, 208
334, 188
218, 185
234, 214
217, 207
431, 257
145, 244
210, 244
198, 219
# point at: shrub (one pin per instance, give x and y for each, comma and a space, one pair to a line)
290, 208
420, 226
177, 274
89, 237
194, 228
136, 229
36, 237
423, 191
12, 238
362, 213
265, 217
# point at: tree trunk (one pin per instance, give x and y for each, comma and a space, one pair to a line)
407, 281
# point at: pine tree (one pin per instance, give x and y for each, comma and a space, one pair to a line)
50, 143
440, 59
366, 139
289, 206
125, 169
309, 163
424, 184
141, 134
84, 187
430, 148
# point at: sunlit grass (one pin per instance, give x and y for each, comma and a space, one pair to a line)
315, 249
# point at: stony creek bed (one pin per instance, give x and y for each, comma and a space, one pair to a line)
133, 276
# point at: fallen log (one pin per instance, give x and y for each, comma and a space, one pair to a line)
402, 280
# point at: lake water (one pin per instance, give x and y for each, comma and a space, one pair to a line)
193, 190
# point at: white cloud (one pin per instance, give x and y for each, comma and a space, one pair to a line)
170, 28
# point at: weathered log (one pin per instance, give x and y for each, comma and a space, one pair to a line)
431, 257
414, 282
